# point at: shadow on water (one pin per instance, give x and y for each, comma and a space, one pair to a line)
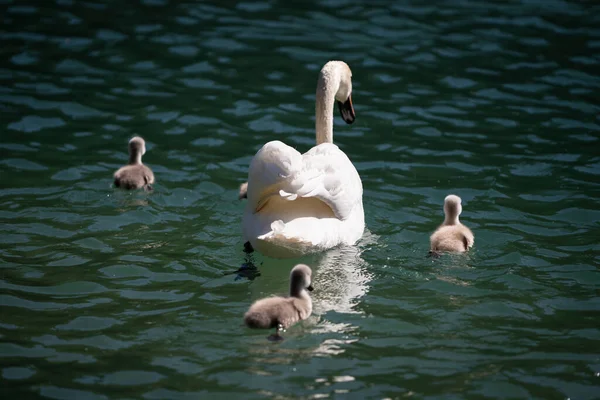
129, 199
249, 268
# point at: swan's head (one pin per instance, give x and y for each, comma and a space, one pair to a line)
137, 146
300, 278
343, 96
452, 208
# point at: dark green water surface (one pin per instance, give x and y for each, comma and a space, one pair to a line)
113, 295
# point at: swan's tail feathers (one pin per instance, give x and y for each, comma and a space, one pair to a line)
278, 226
279, 237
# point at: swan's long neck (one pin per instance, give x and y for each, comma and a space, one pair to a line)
135, 158
327, 87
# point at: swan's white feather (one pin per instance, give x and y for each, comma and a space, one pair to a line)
302, 203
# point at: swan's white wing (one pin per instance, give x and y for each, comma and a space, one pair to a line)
324, 172
330, 176
273, 167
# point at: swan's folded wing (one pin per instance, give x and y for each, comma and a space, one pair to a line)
329, 175
324, 172
272, 169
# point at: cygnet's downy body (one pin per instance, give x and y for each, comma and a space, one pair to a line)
282, 312
452, 236
135, 175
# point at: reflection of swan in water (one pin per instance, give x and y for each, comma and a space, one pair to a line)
341, 278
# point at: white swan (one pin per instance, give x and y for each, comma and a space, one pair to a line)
307, 203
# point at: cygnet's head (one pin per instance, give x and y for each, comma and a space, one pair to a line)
137, 146
343, 96
243, 191
452, 208
300, 279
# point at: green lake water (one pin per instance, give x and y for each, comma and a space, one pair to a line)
112, 295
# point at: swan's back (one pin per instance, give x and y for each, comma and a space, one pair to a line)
304, 202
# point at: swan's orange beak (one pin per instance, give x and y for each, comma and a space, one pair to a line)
347, 110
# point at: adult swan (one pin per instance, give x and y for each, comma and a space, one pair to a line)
306, 203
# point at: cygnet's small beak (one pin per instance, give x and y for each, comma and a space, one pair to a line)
310, 288
347, 110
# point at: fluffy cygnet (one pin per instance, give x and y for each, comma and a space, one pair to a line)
452, 236
135, 175
282, 312
244, 191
